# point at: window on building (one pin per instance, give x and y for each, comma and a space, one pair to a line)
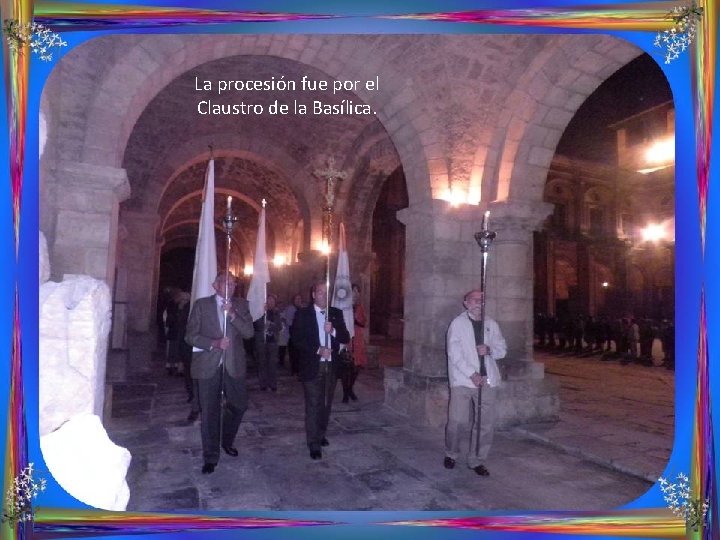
596, 215
559, 219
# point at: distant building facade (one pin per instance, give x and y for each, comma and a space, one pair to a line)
608, 248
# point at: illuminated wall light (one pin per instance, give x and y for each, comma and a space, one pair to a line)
662, 151
280, 260
248, 270
323, 247
455, 197
605, 284
653, 232
473, 196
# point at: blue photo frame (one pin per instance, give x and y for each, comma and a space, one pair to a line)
692, 78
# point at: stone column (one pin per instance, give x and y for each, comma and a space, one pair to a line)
86, 209
510, 276
139, 260
443, 262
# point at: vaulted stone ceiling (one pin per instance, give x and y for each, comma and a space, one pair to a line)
474, 115
160, 182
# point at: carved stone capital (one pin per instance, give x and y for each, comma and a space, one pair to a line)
76, 175
518, 214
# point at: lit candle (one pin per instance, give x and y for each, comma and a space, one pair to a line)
486, 220
229, 202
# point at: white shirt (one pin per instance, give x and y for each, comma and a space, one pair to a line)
463, 358
221, 319
320, 316
219, 303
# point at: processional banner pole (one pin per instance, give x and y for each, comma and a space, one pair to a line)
484, 238
229, 220
330, 175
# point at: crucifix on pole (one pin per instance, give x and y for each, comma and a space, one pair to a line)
331, 175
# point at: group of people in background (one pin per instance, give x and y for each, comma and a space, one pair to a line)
627, 339
310, 339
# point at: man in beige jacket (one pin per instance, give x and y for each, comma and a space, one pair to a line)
472, 351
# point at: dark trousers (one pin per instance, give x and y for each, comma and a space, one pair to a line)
266, 356
190, 385
318, 408
347, 376
236, 401
294, 358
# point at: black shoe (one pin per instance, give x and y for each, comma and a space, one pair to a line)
189, 399
273, 388
448, 462
481, 470
315, 454
193, 416
345, 399
263, 388
230, 450
353, 396
324, 442
208, 468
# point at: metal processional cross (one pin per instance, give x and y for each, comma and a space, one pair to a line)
330, 175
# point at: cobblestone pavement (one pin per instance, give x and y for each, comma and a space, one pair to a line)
596, 457
618, 415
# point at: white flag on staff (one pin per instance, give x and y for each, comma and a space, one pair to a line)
342, 290
205, 268
257, 291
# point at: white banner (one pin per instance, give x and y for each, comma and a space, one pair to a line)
257, 291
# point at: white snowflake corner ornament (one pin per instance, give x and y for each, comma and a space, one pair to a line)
677, 39
40, 39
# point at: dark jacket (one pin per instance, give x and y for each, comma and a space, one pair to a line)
305, 337
204, 326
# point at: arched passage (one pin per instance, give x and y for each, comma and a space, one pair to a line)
477, 115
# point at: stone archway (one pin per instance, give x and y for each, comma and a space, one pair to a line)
474, 115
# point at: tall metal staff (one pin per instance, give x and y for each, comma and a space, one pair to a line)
484, 238
330, 175
229, 220
264, 203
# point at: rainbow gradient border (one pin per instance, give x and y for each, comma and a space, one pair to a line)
692, 78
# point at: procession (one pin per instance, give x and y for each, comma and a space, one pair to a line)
452, 288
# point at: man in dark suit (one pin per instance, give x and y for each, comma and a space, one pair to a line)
219, 366
317, 338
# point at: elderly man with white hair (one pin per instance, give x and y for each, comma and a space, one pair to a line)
472, 349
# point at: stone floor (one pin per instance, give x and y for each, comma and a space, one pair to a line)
600, 455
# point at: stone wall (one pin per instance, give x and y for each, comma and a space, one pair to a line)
74, 327
73, 340
85, 209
